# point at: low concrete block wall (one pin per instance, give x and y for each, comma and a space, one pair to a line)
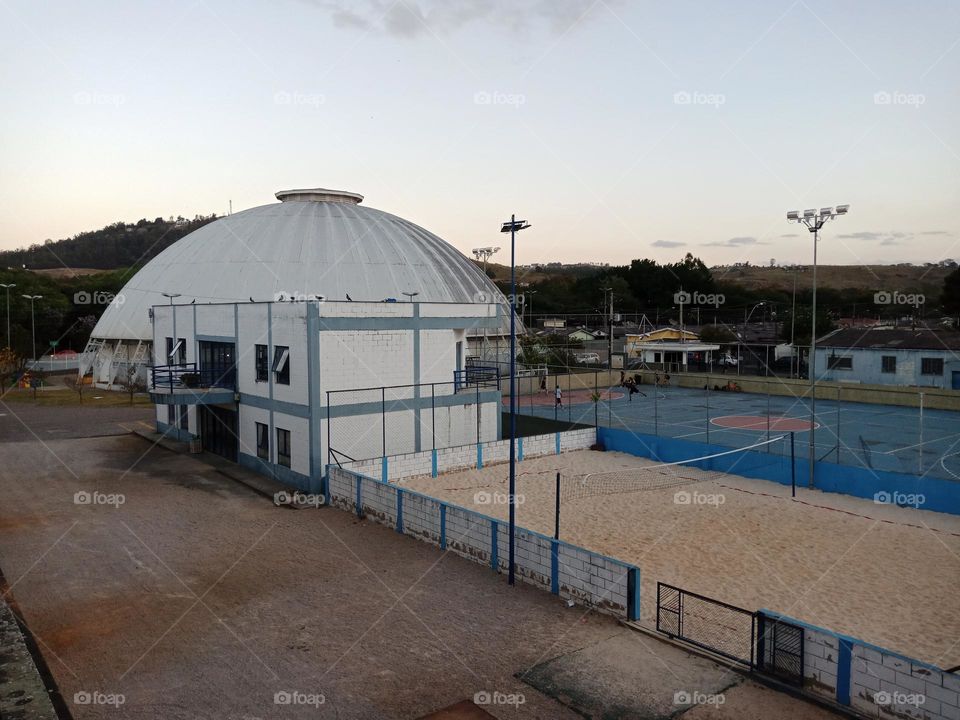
586, 577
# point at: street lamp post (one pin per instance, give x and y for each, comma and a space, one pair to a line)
609, 311
410, 295
814, 220
512, 227
530, 294
7, 287
33, 323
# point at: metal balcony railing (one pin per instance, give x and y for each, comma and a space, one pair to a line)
188, 375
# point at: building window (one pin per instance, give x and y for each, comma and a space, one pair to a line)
283, 447
839, 362
261, 359
263, 442
172, 415
281, 365
888, 364
184, 418
931, 366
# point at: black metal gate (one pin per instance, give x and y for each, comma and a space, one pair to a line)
716, 626
780, 649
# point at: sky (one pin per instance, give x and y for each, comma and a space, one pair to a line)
618, 129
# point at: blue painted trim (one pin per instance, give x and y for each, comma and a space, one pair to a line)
843, 672
443, 526
494, 545
273, 430
433, 472
174, 431
479, 456
852, 640
207, 396
633, 593
400, 510
313, 389
280, 406
384, 469
407, 323
278, 472
374, 407
216, 338
519, 448
359, 497
558, 443
555, 567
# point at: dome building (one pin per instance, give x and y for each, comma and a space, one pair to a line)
312, 243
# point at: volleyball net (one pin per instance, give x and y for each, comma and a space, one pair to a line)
760, 459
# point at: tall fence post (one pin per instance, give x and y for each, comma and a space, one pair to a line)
556, 522
433, 414
838, 424
478, 413
706, 393
920, 446
656, 417
793, 468
383, 420
329, 455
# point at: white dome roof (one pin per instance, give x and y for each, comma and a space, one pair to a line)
319, 242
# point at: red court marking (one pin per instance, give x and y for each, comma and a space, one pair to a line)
759, 422
569, 396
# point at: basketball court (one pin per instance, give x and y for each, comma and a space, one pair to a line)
879, 437
880, 573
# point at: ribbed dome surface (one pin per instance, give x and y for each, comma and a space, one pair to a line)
329, 248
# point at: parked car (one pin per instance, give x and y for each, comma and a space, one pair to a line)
728, 360
588, 358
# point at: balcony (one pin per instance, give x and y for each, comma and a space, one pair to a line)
186, 384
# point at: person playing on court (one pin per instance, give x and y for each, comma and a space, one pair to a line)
558, 396
543, 383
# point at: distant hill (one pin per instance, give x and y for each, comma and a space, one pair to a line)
115, 246
926, 279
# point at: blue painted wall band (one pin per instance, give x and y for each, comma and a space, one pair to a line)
493, 544
633, 593
479, 456
359, 498
433, 471
443, 526
555, 567
384, 469
558, 443
519, 448
843, 671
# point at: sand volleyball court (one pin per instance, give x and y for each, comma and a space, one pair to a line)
884, 574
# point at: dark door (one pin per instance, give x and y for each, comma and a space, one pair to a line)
217, 364
218, 430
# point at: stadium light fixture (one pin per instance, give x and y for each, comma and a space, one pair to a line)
7, 287
33, 323
410, 295
512, 227
814, 222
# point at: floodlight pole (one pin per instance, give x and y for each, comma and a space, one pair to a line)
814, 221
512, 227
7, 286
33, 324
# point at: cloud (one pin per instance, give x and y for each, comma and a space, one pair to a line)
881, 238
735, 242
934, 232
667, 244
790, 235
414, 18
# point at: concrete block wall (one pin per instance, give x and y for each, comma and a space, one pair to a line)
873, 681
566, 570
400, 467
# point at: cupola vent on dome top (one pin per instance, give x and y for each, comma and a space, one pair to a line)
319, 195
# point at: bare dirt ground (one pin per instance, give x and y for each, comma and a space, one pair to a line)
884, 574
196, 598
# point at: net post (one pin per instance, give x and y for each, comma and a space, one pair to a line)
706, 393
556, 522
328, 428
793, 468
838, 425
920, 446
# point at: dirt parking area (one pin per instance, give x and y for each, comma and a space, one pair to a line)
182, 594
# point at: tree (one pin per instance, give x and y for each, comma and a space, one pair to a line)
132, 383
11, 365
75, 383
950, 296
717, 334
